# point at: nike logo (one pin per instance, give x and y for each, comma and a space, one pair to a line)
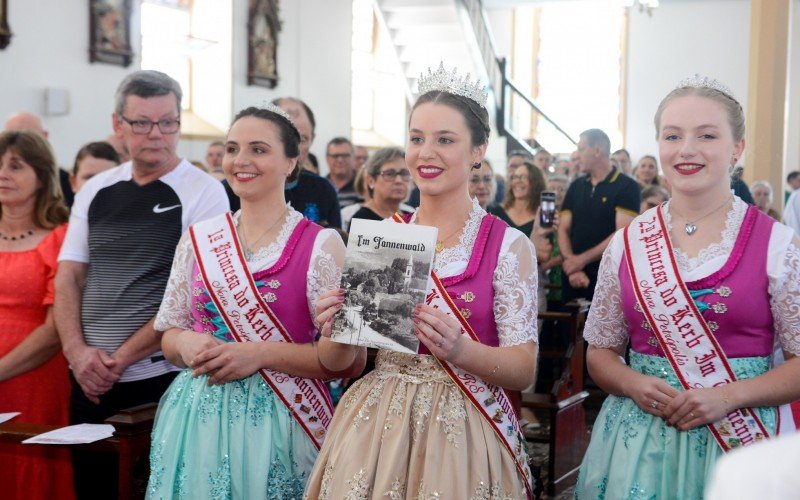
158, 209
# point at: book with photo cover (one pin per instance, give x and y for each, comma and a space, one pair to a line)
386, 272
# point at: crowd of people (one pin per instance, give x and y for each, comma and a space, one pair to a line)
210, 288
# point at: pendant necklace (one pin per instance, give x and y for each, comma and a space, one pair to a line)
440, 243
691, 226
248, 254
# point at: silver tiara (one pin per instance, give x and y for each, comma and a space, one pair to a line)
452, 83
278, 111
698, 81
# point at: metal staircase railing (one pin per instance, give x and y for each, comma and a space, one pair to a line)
511, 103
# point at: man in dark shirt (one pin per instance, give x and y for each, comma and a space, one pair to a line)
595, 206
340, 155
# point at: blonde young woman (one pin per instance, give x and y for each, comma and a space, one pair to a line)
413, 427
701, 288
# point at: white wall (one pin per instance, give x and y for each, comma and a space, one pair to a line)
679, 39
792, 144
50, 49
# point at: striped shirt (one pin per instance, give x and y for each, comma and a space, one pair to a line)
127, 234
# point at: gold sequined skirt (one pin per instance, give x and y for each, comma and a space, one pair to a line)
406, 431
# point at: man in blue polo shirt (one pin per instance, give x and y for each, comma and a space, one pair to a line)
595, 206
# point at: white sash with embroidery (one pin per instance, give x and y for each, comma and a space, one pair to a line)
249, 319
681, 331
490, 400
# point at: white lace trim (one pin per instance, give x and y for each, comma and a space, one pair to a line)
515, 305
785, 302
606, 326
324, 273
733, 222
266, 255
461, 251
176, 306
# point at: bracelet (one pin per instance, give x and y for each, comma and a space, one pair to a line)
496, 367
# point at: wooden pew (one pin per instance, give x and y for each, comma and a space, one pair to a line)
130, 442
568, 435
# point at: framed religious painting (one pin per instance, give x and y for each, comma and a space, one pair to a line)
110, 32
263, 26
5, 31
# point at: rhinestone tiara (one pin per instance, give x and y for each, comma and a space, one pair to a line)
697, 81
452, 83
278, 111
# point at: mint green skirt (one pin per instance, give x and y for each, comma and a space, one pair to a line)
635, 455
235, 440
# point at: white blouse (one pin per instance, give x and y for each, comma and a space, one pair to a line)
514, 281
324, 272
606, 326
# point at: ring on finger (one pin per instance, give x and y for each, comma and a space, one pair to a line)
654, 404
439, 344
691, 414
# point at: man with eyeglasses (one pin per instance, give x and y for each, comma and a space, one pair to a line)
341, 162
115, 263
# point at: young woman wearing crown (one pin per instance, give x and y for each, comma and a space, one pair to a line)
248, 414
439, 424
702, 287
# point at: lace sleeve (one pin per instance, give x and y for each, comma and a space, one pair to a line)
514, 282
176, 307
606, 326
784, 293
325, 268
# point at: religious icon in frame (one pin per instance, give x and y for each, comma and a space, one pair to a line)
5, 31
263, 26
110, 26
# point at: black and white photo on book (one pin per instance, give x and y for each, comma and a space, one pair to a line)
386, 273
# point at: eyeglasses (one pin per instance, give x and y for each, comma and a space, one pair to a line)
142, 127
487, 179
391, 175
520, 177
340, 156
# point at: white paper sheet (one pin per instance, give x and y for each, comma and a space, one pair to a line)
74, 434
5, 417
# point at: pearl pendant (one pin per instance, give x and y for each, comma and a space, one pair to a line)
690, 228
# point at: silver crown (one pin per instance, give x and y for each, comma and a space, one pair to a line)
277, 110
697, 81
452, 83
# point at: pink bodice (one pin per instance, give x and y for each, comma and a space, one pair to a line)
737, 296
283, 286
472, 291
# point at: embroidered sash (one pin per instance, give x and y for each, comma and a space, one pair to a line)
490, 400
249, 318
682, 332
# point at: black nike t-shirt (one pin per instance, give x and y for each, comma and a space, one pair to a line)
127, 234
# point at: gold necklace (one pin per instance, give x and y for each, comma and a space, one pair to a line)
691, 226
440, 243
248, 254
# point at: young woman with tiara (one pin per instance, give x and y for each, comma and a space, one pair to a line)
702, 287
247, 416
439, 423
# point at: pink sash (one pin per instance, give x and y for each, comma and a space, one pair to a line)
249, 318
682, 332
491, 401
